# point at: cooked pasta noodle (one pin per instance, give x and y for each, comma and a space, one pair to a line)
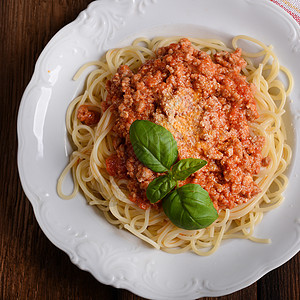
94, 144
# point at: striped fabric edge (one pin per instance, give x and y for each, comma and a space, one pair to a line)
292, 7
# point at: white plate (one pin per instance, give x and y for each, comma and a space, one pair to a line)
113, 256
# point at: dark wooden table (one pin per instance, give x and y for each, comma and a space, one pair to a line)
30, 266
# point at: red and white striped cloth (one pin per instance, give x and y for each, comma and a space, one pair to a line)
291, 6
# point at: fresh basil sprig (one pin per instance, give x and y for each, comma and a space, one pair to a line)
153, 145
186, 167
160, 187
188, 207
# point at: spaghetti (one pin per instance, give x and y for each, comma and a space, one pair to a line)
94, 144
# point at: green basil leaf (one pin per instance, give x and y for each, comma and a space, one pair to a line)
186, 167
189, 207
160, 187
153, 145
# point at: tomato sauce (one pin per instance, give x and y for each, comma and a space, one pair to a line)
88, 116
116, 166
206, 104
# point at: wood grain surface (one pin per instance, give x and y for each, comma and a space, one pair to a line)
30, 266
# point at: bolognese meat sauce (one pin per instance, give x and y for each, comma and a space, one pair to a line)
88, 116
206, 104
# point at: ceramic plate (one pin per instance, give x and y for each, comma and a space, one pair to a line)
114, 256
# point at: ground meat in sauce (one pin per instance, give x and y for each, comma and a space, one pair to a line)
206, 104
88, 116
